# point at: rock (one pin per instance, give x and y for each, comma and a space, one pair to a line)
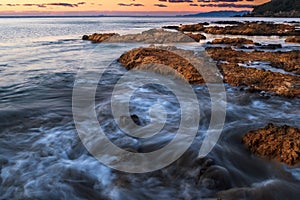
85, 37
254, 28
162, 61
215, 178
192, 27
152, 59
295, 39
268, 189
196, 37
289, 61
271, 46
260, 80
245, 28
158, 36
98, 37
232, 41
275, 142
171, 27
227, 22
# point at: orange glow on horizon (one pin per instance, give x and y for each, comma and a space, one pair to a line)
114, 6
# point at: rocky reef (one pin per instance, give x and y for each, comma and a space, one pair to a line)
161, 61
281, 143
158, 36
245, 28
289, 61
261, 80
158, 60
231, 41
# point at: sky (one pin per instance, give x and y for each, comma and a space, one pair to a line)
112, 7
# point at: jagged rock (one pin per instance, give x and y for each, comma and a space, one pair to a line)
289, 61
275, 142
159, 61
232, 41
293, 39
261, 80
254, 28
155, 58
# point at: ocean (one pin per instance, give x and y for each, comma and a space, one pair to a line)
41, 152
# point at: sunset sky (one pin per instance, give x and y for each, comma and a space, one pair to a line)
92, 7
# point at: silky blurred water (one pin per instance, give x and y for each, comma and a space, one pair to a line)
41, 156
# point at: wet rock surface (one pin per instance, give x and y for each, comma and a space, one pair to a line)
281, 143
231, 41
98, 37
162, 61
196, 37
246, 28
293, 39
158, 36
261, 80
289, 61
152, 59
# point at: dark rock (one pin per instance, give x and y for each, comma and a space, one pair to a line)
171, 27
85, 37
271, 46
227, 22
136, 119
215, 178
275, 142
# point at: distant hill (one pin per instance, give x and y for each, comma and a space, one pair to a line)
225, 13
277, 8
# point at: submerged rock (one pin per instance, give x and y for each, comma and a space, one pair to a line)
270, 189
275, 142
215, 178
293, 39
